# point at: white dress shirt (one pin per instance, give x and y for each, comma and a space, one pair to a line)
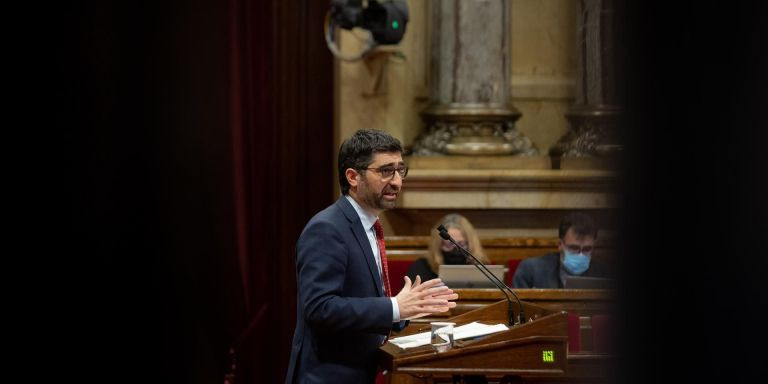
368, 221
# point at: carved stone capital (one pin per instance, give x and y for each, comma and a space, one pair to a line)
472, 129
593, 132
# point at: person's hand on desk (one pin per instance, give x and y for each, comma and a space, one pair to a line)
419, 299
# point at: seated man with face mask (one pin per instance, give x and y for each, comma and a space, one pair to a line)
577, 234
444, 252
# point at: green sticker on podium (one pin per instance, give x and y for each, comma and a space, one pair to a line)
548, 356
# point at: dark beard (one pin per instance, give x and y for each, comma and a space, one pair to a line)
385, 204
377, 199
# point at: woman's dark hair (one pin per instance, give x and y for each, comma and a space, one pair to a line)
357, 151
582, 225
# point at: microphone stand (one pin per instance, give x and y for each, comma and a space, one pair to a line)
490, 276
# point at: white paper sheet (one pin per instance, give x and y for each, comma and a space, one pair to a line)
466, 331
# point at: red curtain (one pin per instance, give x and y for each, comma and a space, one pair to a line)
281, 124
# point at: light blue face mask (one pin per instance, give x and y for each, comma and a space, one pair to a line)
575, 263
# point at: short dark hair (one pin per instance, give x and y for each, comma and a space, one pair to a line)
357, 151
582, 225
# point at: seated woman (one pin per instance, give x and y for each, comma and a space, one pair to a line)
444, 252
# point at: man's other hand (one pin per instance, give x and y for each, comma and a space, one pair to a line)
419, 299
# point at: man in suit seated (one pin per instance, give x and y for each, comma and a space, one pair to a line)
577, 234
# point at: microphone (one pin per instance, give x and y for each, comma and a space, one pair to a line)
490, 276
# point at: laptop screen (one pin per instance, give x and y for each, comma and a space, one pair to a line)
469, 276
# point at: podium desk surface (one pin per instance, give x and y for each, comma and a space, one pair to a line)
521, 351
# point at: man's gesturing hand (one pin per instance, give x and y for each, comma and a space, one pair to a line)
421, 299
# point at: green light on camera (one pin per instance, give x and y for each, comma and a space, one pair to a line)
395, 24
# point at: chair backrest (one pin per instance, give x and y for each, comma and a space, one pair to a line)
602, 333
511, 268
574, 332
397, 270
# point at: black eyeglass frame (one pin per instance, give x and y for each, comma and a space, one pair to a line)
448, 245
588, 249
387, 171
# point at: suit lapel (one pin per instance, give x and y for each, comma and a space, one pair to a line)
362, 240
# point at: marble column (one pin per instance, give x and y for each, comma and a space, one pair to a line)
470, 112
594, 116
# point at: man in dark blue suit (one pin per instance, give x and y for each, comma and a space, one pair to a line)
344, 310
577, 233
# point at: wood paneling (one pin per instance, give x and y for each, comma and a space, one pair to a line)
498, 249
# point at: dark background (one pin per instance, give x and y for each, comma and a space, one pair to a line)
198, 139
695, 191
202, 142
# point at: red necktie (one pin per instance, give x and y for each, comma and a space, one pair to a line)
384, 268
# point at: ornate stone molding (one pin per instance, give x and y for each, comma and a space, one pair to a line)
594, 117
470, 112
509, 189
593, 132
472, 129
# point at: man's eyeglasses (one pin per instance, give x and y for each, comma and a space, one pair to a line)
387, 172
587, 249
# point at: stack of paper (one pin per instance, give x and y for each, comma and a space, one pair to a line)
466, 331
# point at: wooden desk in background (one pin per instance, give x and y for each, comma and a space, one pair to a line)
584, 302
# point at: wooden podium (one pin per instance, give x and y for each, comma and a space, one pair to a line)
536, 349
